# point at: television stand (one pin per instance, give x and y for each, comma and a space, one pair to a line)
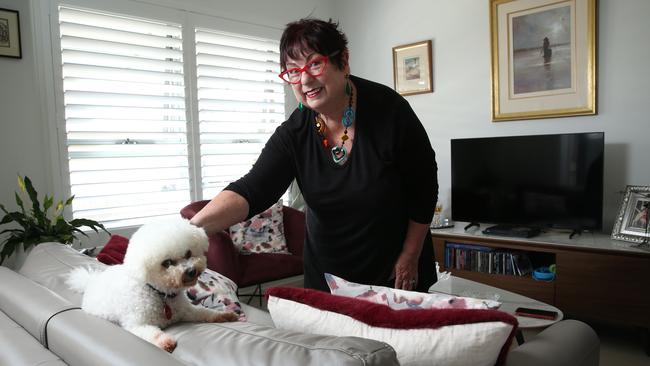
597, 278
512, 231
472, 224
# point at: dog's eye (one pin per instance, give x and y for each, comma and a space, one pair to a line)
167, 262
188, 254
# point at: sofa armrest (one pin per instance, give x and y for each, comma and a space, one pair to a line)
294, 229
81, 339
566, 343
29, 304
20, 348
190, 210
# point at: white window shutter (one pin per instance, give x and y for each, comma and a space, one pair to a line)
241, 103
124, 116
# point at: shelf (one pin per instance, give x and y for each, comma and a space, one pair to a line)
527, 286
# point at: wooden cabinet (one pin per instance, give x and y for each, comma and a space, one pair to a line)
604, 286
596, 278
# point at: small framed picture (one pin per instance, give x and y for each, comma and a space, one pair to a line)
9, 34
412, 68
632, 219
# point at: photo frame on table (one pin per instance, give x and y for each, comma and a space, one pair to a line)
412, 68
632, 220
10, 34
543, 58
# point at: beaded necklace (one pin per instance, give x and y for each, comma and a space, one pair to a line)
339, 153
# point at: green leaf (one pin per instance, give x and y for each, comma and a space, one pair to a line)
2, 207
14, 231
90, 223
6, 219
48, 202
69, 201
9, 248
36, 205
19, 201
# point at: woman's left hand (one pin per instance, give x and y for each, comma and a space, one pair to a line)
406, 271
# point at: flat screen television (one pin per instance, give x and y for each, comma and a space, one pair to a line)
542, 181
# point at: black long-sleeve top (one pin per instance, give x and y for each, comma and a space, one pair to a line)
357, 214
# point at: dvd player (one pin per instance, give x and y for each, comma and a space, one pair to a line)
512, 231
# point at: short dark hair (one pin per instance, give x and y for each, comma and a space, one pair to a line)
316, 35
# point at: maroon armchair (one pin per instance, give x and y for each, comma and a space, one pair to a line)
258, 268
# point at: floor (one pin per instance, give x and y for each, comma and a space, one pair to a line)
619, 346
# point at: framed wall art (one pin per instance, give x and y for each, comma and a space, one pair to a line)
543, 58
9, 34
412, 68
632, 220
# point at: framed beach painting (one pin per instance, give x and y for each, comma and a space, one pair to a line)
412, 68
543, 58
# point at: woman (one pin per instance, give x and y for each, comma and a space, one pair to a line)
362, 160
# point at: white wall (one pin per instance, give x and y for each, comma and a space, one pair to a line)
23, 143
460, 104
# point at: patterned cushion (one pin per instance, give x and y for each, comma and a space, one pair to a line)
419, 336
263, 233
402, 299
215, 291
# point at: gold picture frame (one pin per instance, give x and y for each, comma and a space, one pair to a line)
10, 34
412, 68
632, 222
543, 58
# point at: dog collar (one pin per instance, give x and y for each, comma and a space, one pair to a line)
167, 310
164, 295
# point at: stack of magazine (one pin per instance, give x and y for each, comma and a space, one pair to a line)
487, 260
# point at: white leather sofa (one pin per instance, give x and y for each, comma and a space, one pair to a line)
41, 324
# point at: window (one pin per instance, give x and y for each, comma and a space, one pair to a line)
127, 122
241, 103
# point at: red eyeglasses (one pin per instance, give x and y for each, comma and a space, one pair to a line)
314, 68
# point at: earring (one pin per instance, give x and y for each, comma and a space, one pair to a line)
300, 106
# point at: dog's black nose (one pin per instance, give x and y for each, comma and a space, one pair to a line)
190, 272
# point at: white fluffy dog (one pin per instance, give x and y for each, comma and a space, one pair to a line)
147, 292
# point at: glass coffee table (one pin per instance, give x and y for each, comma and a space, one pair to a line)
510, 301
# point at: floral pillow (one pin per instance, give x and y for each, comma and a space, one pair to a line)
216, 291
263, 233
402, 299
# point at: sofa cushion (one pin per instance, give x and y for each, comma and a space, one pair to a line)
239, 343
214, 291
49, 264
262, 233
113, 251
402, 299
420, 337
